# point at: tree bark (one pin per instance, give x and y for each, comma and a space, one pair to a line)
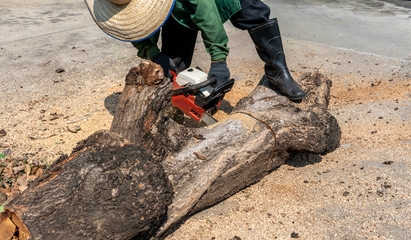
107, 189
203, 165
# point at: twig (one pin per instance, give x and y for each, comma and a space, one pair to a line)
73, 131
266, 124
34, 138
85, 117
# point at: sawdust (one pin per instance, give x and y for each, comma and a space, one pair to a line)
373, 113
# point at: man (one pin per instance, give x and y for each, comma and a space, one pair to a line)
139, 22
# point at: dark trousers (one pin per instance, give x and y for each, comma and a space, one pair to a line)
253, 13
180, 49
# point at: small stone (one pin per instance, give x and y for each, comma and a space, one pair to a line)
3, 133
346, 193
4, 145
346, 146
294, 235
7, 151
388, 162
60, 70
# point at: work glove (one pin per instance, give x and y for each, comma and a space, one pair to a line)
220, 72
164, 61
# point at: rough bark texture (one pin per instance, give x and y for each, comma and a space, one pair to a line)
142, 114
258, 136
107, 189
203, 165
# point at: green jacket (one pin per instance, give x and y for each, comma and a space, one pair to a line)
206, 16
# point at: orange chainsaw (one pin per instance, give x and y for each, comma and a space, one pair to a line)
195, 95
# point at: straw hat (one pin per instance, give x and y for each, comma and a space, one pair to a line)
130, 20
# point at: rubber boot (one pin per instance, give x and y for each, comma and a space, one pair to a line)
267, 40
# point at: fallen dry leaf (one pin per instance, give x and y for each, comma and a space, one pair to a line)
39, 172
8, 172
31, 178
27, 170
18, 169
7, 191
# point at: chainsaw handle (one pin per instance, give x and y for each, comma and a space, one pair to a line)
193, 88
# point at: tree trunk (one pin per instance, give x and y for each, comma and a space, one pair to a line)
107, 189
202, 165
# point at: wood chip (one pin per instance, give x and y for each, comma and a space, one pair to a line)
200, 156
199, 136
7, 228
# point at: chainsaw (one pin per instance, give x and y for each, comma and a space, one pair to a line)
195, 95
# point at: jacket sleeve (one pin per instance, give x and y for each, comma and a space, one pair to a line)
147, 48
206, 17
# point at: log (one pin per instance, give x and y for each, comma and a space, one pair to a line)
183, 169
263, 130
107, 189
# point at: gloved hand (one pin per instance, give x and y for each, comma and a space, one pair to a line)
219, 70
164, 62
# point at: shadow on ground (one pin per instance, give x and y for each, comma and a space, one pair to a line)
111, 102
303, 159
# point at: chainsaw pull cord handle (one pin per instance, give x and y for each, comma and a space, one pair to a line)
192, 88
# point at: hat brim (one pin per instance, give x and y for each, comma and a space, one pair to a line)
131, 22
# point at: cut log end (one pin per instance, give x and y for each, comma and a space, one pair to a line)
147, 73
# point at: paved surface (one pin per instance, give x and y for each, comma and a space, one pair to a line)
373, 26
363, 46
46, 35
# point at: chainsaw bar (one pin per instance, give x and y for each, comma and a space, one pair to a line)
208, 119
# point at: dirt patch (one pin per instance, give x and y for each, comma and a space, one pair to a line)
342, 195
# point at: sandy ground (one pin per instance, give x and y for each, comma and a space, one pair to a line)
359, 191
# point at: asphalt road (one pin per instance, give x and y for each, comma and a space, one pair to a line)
38, 37
372, 26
